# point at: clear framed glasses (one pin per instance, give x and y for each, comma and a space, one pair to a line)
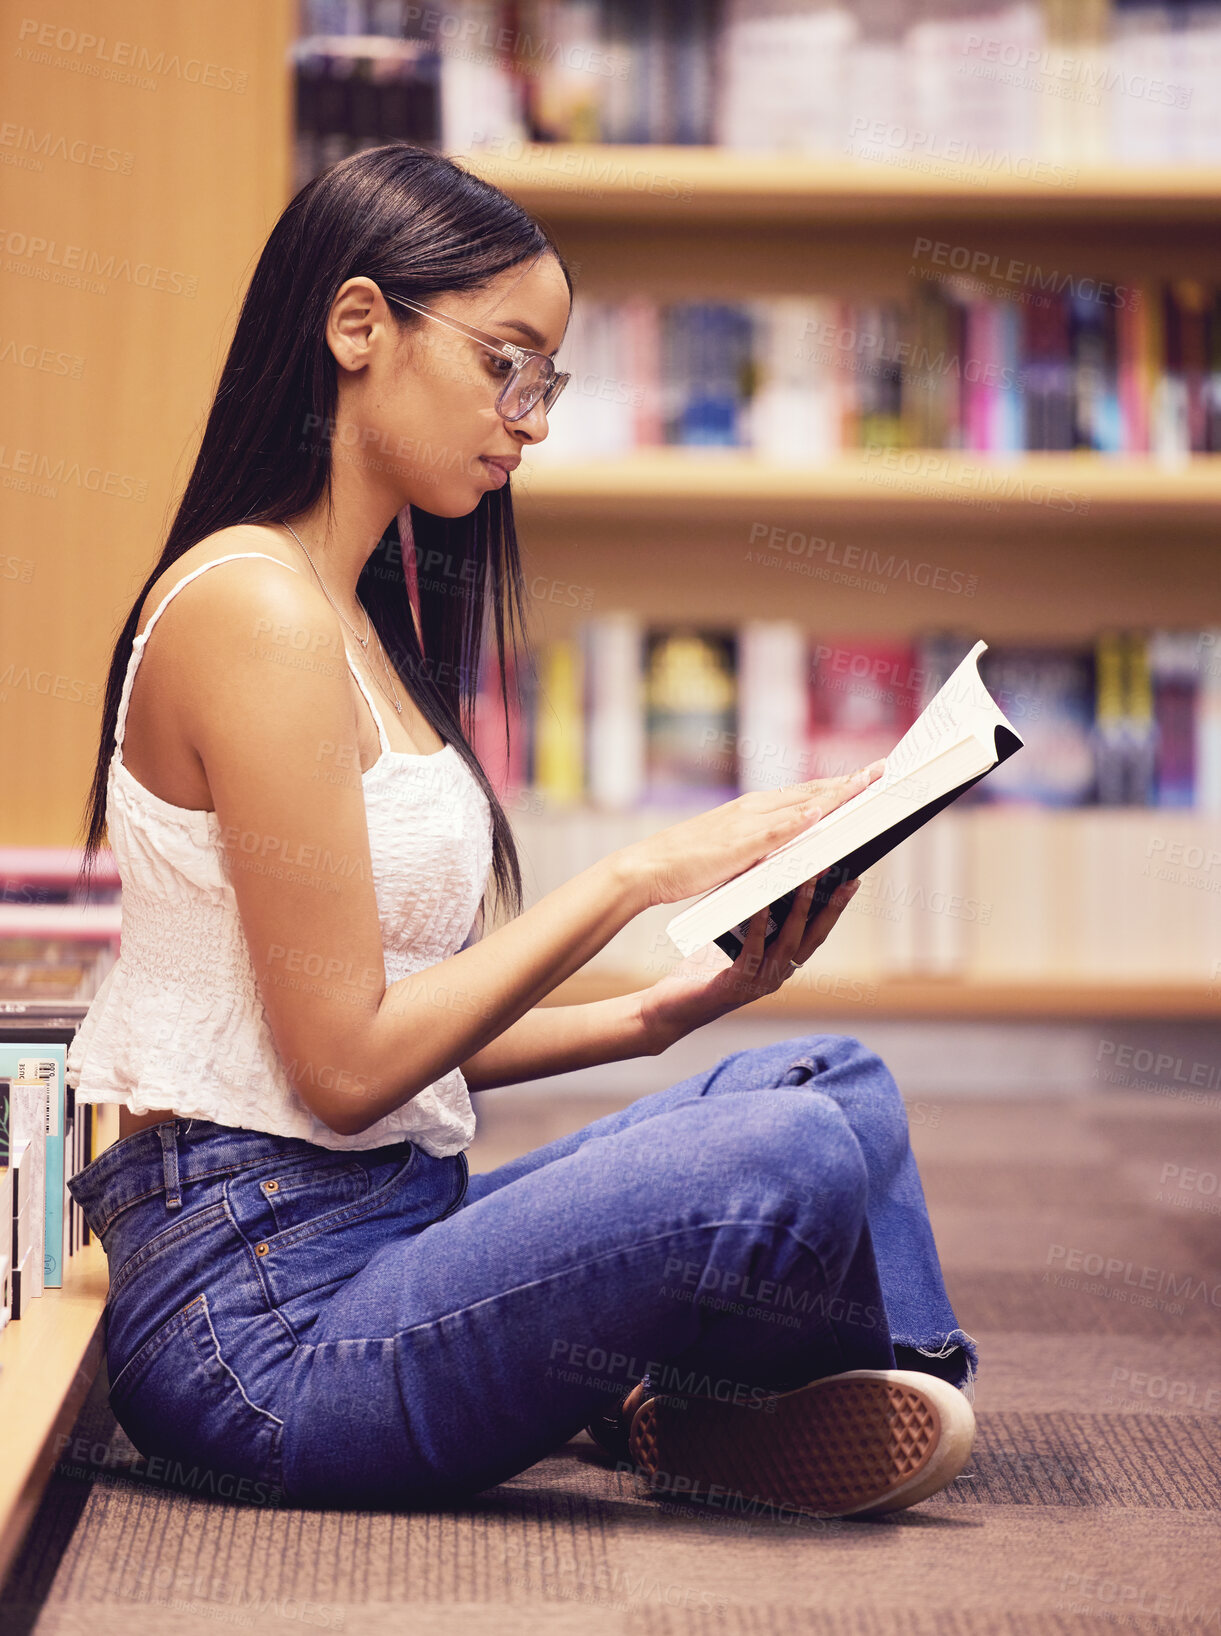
533, 378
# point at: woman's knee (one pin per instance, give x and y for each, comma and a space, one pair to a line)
857, 1079
790, 1151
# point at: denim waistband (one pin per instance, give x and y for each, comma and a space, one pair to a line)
162, 1158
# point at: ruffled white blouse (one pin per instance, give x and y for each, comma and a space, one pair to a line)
178, 1022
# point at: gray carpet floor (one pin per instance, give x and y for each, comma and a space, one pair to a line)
1092, 1500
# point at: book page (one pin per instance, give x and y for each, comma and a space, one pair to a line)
961, 708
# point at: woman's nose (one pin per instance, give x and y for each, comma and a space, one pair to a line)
533, 423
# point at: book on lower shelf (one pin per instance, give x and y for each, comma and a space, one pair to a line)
629, 715
46, 1137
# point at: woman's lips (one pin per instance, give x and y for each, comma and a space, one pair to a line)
500, 466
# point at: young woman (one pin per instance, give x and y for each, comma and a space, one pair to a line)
733, 1282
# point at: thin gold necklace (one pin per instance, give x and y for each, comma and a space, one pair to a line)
363, 640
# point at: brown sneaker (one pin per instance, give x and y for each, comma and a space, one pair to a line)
850, 1445
610, 1431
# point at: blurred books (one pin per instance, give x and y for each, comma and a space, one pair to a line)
46, 1137
624, 714
1016, 358
57, 940
1028, 88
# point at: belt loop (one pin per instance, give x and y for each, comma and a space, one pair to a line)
169, 1162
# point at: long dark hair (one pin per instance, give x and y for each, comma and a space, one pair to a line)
418, 224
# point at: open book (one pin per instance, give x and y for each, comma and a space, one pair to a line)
960, 735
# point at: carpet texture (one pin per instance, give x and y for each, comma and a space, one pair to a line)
1081, 1242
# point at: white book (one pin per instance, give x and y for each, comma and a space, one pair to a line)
1208, 721
771, 703
944, 952
481, 103
959, 736
899, 954
28, 1122
795, 413
615, 749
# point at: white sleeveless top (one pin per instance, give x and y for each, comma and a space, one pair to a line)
178, 1022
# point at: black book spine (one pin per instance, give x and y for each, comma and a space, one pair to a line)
864, 857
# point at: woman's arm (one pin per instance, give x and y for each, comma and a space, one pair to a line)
555, 1039
274, 742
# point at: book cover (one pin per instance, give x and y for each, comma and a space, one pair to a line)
1110, 720
1048, 693
1132, 324
1174, 677
28, 1125
46, 1063
1187, 348
559, 722
863, 696
1141, 723
507, 768
613, 645
1208, 721
691, 714
1047, 374
771, 704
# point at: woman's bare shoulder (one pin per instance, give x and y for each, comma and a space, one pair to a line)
238, 537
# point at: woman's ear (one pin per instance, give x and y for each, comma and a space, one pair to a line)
349, 328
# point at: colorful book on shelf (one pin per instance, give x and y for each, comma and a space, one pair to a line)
690, 721
613, 650
959, 737
506, 767
559, 717
1049, 693
1125, 729
771, 704
863, 696
1097, 423
32, 1065
8, 1179
1208, 721
1110, 369
23, 1149
1174, 676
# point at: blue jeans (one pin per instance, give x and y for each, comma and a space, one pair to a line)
351, 1328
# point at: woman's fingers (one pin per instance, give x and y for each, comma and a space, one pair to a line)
833, 790
821, 926
771, 964
797, 938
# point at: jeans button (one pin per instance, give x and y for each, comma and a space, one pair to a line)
270, 1187
262, 1249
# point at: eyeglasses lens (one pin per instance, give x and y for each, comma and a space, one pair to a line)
528, 385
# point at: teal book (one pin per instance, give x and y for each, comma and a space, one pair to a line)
46, 1062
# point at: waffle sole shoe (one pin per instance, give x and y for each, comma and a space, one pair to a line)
852, 1445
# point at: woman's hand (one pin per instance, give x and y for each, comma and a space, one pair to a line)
691, 996
702, 852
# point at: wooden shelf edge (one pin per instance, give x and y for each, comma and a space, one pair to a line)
48, 1361
824, 994
688, 185
1065, 488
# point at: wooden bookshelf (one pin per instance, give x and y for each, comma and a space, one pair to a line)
1068, 490
1050, 544
48, 1360
942, 998
678, 185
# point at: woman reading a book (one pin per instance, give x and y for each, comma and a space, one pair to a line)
309, 1292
